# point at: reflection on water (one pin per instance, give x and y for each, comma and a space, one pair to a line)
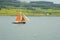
38, 28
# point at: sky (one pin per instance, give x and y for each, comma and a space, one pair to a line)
55, 1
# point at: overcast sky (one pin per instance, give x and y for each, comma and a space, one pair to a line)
55, 1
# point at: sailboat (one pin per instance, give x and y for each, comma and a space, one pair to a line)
20, 19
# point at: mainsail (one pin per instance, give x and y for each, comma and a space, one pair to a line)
19, 17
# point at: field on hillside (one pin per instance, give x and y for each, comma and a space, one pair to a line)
35, 12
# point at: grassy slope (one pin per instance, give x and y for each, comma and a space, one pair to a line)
36, 12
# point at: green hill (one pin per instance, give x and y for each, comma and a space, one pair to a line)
9, 3
42, 5
33, 8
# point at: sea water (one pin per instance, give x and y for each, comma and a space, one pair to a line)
37, 28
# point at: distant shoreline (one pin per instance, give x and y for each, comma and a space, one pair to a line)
40, 12
30, 15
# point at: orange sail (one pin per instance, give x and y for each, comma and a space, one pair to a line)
23, 19
18, 18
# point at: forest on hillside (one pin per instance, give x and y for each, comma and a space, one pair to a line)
29, 5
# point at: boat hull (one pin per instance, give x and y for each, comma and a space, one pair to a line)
19, 22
